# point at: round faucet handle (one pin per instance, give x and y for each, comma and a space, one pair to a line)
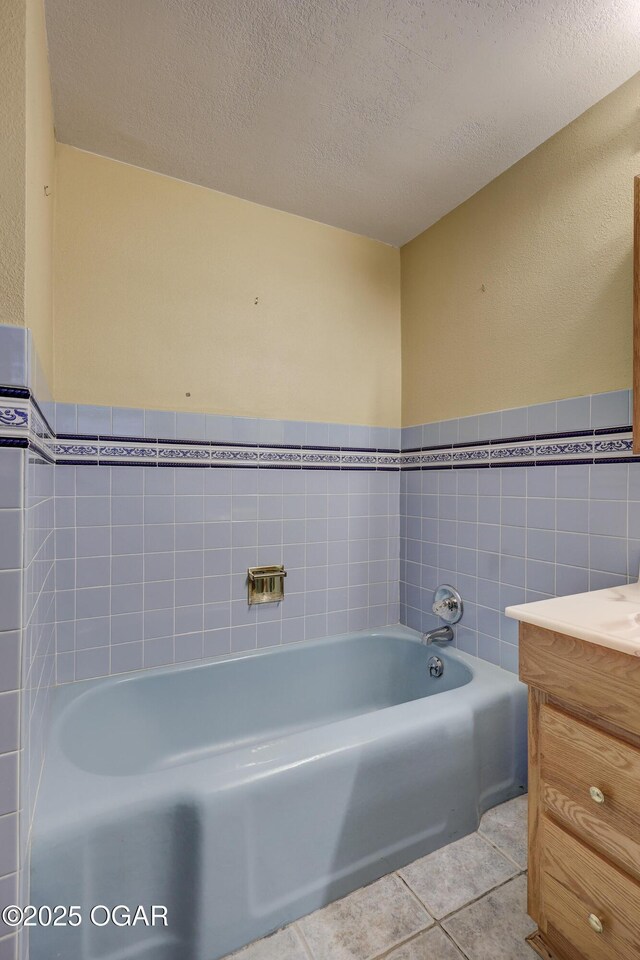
447, 604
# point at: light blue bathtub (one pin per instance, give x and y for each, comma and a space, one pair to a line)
247, 792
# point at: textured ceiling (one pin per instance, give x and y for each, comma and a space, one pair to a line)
378, 116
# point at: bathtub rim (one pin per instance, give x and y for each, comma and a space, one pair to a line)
230, 769
67, 692
484, 676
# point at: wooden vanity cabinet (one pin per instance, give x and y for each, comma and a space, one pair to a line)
584, 797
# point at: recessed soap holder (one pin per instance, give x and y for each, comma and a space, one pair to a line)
266, 584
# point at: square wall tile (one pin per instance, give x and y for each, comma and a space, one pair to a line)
10, 600
92, 663
515, 422
245, 430
9, 660
66, 418
160, 424
13, 356
295, 431
219, 429
8, 844
9, 713
10, 478
489, 426
449, 431
126, 657
542, 418
8, 783
10, 539
574, 414
270, 431
127, 422
190, 426
610, 409
358, 436
8, 895
94, 420
609, 481
468, 429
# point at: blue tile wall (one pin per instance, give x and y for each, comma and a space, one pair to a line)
14, 356
12, 851
513, 535
27, 631
577, 413
151, 562
38, 640
27, 655
168, 425
154, 587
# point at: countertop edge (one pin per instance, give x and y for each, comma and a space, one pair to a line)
572, 630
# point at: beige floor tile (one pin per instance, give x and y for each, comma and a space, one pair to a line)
456, 874
495, 927
432, 945
366, 923
506, 827
283, 945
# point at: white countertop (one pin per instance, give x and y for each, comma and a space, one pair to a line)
609, 617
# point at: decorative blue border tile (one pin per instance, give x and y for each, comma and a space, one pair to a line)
21, 417
14, 417
22, 422
583, 446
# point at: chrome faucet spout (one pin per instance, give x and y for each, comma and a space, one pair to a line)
439, 635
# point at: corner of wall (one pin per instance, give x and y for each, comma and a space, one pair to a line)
523, 292
40, 188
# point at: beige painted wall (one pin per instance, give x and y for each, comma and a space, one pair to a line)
27, 161
40, 172
12, 155
156, 283
523, 293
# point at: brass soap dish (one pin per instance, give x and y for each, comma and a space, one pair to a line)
266, 584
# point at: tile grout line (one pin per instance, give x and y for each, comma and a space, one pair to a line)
413, 893
376, 956
455, 945
519, 872
471, 903
403, 943
398, 943
507, 856
414, 936
486, 893
452, 936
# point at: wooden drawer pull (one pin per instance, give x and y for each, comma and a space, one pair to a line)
595, 923
596, 795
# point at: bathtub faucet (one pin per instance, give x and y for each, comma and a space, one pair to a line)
438, 635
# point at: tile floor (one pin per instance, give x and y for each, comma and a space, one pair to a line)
466, 901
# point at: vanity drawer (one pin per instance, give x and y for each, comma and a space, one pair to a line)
581, 891
595, 679
591, 780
